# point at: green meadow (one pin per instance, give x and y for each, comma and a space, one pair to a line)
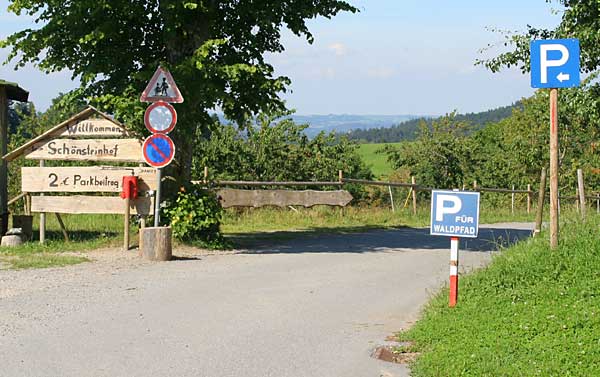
376, 160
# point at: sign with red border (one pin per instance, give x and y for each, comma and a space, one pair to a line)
160, 117
162, 87
159, 150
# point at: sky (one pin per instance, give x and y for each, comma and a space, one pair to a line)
393, 57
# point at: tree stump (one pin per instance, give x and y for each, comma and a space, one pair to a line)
11, 240
155, 243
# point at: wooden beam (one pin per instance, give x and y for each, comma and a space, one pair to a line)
282, 198
78, 204
3, 164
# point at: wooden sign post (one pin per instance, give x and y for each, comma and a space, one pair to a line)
87, 136
553, 168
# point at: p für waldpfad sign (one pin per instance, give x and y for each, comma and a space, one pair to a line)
454, 214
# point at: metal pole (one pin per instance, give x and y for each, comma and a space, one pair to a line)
580, 183
453, 271
554, 169
157, 198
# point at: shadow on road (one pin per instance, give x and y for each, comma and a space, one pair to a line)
491, 238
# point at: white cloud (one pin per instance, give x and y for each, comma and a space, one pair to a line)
339, 49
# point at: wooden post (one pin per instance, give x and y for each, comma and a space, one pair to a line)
540, 207
155, 243
580, 184
577, 200
3, 164
512, 200
528, 199
414, 194
126, 224
474, 185
42, 216
340, 176
554, 227
597, 203
62, 227
392, 199
205, 180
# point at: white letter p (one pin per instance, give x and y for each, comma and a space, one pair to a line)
545, 63
441, 209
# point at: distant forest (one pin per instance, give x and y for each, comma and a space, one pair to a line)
407, 130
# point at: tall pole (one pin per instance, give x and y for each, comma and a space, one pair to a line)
553, 168
157, 198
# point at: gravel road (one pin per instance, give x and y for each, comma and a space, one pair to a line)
311, 306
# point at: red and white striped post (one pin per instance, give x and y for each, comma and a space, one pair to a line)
453, 271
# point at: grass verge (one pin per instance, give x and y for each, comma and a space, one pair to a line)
532, 312
86, 232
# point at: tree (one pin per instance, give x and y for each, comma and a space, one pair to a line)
580, 19
438, 157
214, 48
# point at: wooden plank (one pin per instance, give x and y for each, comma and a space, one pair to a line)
84, 178
79, 204
122, 150
282, 198
91, 128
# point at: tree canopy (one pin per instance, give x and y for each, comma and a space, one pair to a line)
214, 48
580, 19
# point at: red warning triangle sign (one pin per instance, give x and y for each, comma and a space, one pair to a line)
161, 87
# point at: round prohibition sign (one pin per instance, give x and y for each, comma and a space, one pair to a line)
159, 150
160, 117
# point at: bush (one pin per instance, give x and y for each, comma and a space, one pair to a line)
195, 215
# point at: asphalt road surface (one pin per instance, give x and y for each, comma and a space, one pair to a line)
307, 307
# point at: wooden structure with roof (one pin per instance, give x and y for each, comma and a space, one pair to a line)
8, 91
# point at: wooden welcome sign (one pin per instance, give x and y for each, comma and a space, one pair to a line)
88, 136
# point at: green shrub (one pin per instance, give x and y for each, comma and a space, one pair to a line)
195, 215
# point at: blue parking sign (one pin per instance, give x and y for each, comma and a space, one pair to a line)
555, 63
454, 213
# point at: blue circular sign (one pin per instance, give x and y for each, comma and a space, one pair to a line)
159, 150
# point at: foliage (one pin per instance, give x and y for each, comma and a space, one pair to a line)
195, 216
408, 130
580, 19
278, 151
215, 49
531, 312
438, 158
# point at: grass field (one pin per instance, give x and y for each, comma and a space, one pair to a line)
377, 161
532, 312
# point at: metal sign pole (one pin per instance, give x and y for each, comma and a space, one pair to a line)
553, 168
453, 271
157, 198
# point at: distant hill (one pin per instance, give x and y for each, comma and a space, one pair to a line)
344, 123
407, 130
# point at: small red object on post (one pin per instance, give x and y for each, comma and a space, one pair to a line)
130, 187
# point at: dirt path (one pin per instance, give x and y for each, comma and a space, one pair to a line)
313, 306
